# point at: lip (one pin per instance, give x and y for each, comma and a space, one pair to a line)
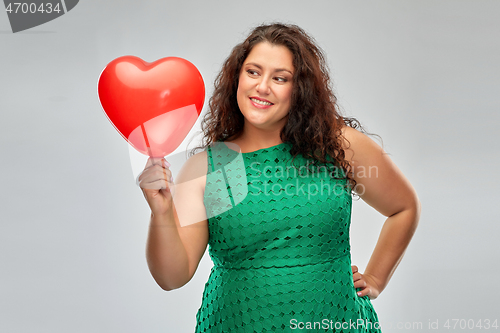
260, 106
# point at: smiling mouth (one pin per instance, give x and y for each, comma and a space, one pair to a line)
258, 101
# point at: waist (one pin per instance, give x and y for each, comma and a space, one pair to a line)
341, 260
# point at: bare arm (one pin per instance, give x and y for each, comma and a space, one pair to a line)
383, 186
175, 246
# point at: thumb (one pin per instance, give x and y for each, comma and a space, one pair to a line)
154, 160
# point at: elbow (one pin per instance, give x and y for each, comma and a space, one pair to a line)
410, 213
167, 288
412, 207
170, 287
168, 279
418, 209
415, 211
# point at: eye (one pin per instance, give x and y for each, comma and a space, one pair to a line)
281, 79
252, 72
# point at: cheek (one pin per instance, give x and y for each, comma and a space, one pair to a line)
241, 85
240, 92
287, 95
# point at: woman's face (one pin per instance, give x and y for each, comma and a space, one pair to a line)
265, 86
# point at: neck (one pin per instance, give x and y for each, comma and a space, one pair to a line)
257, 138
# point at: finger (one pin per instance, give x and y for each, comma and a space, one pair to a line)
157, 160
166, 191
166, 165
360, 284
156, 164
363, 292
160, 184
354, 268
150, 162
149, 165
150, 179
153, 173
357, 276
164, 169
153, 161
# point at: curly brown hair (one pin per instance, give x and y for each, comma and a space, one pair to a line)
314, 121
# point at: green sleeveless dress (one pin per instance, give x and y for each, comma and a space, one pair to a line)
279, 241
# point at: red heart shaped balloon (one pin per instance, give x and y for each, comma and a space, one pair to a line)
152, 105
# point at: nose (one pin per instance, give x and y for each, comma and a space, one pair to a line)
263, 86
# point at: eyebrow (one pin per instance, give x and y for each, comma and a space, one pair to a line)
276, 70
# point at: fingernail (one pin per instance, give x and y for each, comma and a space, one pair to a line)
167, 164
171, 179
359, 293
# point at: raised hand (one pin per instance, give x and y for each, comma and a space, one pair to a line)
156, 183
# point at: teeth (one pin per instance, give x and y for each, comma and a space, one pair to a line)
260, 102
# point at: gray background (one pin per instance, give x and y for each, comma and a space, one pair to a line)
422, 74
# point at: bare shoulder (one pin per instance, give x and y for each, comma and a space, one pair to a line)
194, 170
380, 182
358, 146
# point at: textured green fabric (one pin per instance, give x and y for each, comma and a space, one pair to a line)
279, 241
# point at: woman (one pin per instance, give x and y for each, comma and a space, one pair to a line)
277, 224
